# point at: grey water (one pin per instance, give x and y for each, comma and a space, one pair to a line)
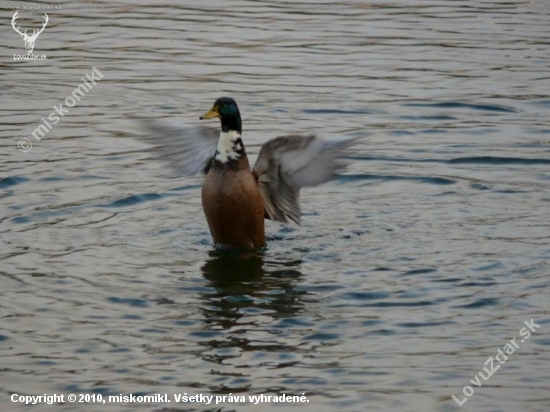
411, 268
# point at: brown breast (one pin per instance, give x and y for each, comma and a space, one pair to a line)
233, 207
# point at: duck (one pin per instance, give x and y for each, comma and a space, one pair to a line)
236, 198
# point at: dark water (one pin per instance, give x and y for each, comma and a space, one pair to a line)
409, 271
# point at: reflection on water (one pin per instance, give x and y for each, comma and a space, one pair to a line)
243, 285
411, 269
247, 297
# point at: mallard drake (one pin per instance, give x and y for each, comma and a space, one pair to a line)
236, 199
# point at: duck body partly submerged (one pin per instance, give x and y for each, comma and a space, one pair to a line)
236, 199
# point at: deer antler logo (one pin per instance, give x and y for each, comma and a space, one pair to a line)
29, 40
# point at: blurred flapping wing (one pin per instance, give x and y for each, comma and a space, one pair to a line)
288, 163
188, 150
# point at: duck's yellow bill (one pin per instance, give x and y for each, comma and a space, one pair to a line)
211, 114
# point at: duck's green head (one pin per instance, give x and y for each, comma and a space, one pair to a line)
225, 108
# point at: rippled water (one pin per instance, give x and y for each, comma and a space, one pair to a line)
409, 271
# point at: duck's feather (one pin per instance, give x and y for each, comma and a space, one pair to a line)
285, 164
288, 163
189, 150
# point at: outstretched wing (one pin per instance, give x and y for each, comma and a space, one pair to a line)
187, 149
288, 163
